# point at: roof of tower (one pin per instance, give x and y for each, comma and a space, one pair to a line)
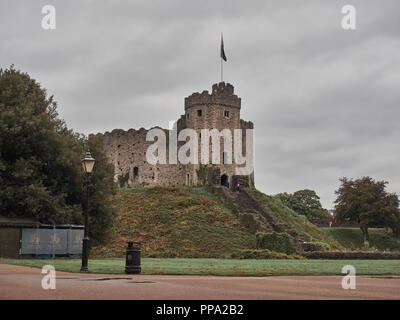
222, 94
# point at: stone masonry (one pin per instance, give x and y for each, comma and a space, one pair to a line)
126, 150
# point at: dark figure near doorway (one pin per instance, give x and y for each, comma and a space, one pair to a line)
237, 187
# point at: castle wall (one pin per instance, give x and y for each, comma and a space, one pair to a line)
126, 150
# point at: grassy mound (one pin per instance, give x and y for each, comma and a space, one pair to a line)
175, 222
295, 224
352, 238
194, 222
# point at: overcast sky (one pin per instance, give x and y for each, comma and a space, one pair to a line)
325, 102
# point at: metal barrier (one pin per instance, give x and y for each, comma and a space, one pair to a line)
51, 241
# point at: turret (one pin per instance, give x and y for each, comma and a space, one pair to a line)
219, 110
222, 94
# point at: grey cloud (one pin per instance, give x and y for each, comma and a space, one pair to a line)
324, 101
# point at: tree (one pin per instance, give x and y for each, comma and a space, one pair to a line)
102, 188
305, 202
40, 170
366, 202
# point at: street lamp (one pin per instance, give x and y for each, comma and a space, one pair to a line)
87, 164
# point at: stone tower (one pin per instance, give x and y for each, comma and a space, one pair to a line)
219, 110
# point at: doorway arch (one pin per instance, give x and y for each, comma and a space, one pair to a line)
225, 180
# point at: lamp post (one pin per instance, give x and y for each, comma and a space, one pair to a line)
87, 164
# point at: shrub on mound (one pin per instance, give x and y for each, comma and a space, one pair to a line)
275, 241
247, 220
314, 246
262, 254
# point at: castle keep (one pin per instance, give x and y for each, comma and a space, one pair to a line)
126, 150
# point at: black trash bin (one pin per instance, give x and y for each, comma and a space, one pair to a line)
132, 264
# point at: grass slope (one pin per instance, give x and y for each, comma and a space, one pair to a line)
222, 267
352, 238
175, 222
193, 222
296, 224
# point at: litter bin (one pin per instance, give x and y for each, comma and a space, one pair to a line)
132, 264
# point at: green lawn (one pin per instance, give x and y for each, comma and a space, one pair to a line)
223, 267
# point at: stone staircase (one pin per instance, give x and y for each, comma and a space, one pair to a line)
244, 202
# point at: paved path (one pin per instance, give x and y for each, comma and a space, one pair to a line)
18, 282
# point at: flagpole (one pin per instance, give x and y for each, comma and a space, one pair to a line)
222, 67
222, 71
222, 57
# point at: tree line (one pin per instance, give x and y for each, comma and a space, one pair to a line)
362, 201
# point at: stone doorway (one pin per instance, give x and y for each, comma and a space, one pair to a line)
225, 180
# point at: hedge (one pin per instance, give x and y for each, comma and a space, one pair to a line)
262, 254
352, 255
275, 241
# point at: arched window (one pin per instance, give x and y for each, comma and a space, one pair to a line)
135, 172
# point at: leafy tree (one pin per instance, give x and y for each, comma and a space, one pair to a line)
40, 169
305, 202
286, 198
102, 188
366, 202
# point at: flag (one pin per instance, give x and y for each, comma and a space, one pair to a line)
222, 54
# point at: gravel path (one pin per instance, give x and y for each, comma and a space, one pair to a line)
17, 282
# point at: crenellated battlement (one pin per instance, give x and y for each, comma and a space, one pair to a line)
246, 124
222, 94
